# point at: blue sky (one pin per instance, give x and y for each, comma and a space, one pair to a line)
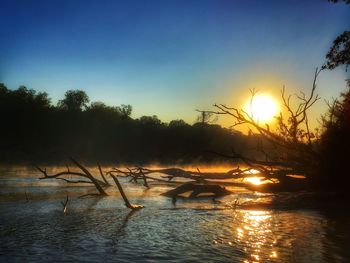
169, 57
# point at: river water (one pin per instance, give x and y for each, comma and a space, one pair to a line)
102, 229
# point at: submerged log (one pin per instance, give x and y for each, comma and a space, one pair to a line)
287, 184
197, 189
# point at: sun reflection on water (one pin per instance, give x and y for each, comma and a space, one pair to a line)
254, 233
253, 180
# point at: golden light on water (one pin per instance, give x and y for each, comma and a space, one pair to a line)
255, 230
262, 108
253, 180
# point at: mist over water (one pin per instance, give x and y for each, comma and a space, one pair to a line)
102, 229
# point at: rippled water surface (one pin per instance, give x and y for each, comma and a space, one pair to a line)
102, 229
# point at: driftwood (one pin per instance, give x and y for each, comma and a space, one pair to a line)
126, 201
64, 204
197, 189
136, 174
85, 174
283, 183
169, 174
92, 180
102, 175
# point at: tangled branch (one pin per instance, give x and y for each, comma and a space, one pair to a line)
293, 139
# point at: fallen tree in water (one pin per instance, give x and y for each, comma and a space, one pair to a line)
196, 190
168, 174
127, 203
85, 174
99, 185
234, 177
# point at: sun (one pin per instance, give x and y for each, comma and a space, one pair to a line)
262, 108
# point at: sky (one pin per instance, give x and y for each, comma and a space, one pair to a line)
170, 57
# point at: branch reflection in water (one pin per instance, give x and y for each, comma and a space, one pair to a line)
120, 231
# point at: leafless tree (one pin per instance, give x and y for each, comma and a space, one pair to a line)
294, 142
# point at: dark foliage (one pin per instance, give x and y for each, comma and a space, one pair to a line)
335, 145
33, 130
335, 141
74, 100
336, 1
339, 54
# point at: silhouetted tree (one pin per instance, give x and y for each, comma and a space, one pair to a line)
335, 144
74, 100
3, 88
336, 1
150, 120
339, 53
335, 139
291, 148
177, 123
125, 110
97, 105
205, 117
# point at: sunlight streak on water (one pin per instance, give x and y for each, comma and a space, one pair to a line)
253, 180
257, 228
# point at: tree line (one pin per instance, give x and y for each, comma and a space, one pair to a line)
36, 131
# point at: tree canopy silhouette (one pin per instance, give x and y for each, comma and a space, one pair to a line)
339, 53
336, 1
74, 100
335, 144
37, 131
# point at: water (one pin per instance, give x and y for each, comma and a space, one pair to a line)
102, 229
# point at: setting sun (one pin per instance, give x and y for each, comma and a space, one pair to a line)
262, 108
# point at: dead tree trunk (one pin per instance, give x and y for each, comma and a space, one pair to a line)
144, 178
89, 175
102, 175
126, 200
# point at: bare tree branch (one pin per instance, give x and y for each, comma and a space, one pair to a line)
86, 174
